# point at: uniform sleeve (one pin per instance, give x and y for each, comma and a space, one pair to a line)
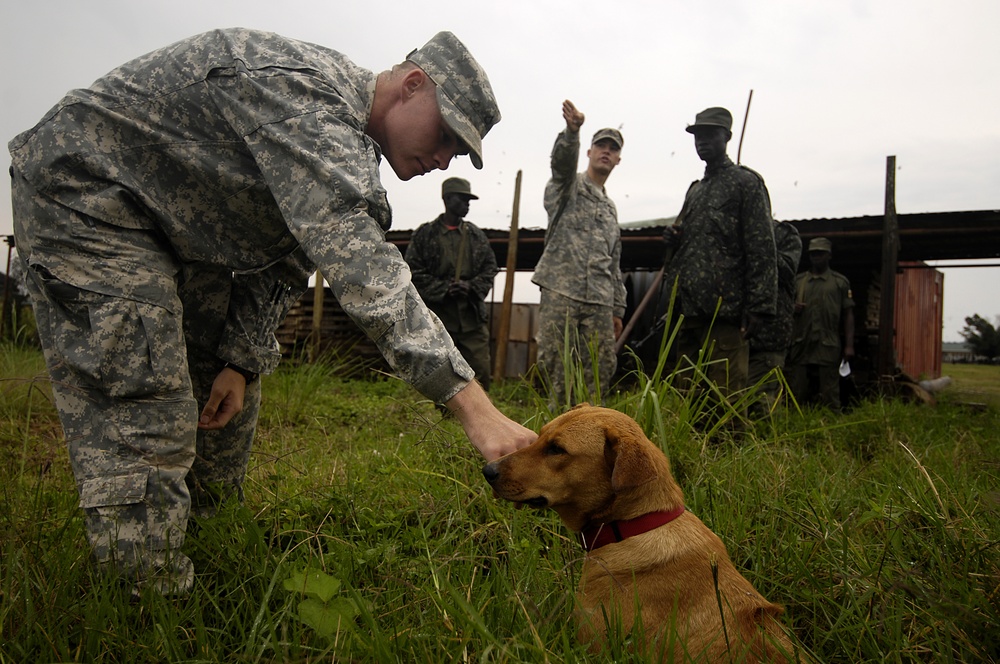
565, 156
618, 282
761, 254
846, 301
424, 259
323, 173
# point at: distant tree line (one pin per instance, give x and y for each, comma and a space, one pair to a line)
982, 337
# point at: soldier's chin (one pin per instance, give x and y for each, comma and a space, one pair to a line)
405, 171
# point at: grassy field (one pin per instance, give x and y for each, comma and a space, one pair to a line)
973, 383
369, 535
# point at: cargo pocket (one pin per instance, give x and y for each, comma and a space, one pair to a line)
143, 348
112, 491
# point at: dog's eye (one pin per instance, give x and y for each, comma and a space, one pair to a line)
554, 449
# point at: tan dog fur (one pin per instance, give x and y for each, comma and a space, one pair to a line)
596, 465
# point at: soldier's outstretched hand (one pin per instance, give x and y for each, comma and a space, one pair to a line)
574, 118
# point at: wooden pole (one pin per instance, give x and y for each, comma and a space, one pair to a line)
746, 115
6, 286
317, 320
890, 253
654, 288
503, 329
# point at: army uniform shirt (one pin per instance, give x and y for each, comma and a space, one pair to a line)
244, 152
727, 247
433, 254
583, 244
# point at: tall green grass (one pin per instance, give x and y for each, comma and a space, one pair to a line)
369, 535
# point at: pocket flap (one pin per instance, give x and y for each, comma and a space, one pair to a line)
114, 490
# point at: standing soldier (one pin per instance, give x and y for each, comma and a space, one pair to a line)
823, 336
724, 261
582, 292
453, 266
769, 347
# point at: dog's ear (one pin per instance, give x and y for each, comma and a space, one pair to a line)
582, 404
632, 465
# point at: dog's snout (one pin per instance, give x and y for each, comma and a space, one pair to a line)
491, 472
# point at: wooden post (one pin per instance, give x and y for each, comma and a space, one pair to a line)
6, 288
746, 116
890, 253
503, 329
317, 321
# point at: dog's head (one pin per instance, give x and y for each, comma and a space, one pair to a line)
586, 465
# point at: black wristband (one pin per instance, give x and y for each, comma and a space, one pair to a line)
248, 376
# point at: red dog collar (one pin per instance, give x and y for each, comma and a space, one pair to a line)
594, 536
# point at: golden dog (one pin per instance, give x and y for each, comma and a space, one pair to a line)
647, 555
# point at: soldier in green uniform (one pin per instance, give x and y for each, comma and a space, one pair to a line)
724, 258
579, 273
453, 266
823, 335
167, 217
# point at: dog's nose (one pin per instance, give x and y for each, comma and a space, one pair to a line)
491, 473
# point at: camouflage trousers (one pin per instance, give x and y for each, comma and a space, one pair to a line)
722, 356
130, 371
573, 336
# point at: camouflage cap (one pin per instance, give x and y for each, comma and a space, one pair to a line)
820, 244
712, 117
613, 134
464, 93
457, 186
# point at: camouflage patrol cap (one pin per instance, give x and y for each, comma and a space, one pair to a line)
464, 93
712, 117
457, 186
820, 244
612, 134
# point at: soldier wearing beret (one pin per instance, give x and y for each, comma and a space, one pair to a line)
169, 215
453, 266
823, 335
724, 258
579, 273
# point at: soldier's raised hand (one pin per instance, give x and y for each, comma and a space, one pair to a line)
574, 118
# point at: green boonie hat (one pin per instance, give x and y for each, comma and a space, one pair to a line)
712, 117
464, 93
820, 244
457, 186
613, 134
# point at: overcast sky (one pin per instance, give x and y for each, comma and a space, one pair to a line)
838, 85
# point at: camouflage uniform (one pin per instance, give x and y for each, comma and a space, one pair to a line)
579, 272
167, 218
769, 345
817, 345
433, 254
726, 253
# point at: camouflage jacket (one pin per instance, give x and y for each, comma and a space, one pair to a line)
727, 247
583, 243
433, 254
244, 151
775, 334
